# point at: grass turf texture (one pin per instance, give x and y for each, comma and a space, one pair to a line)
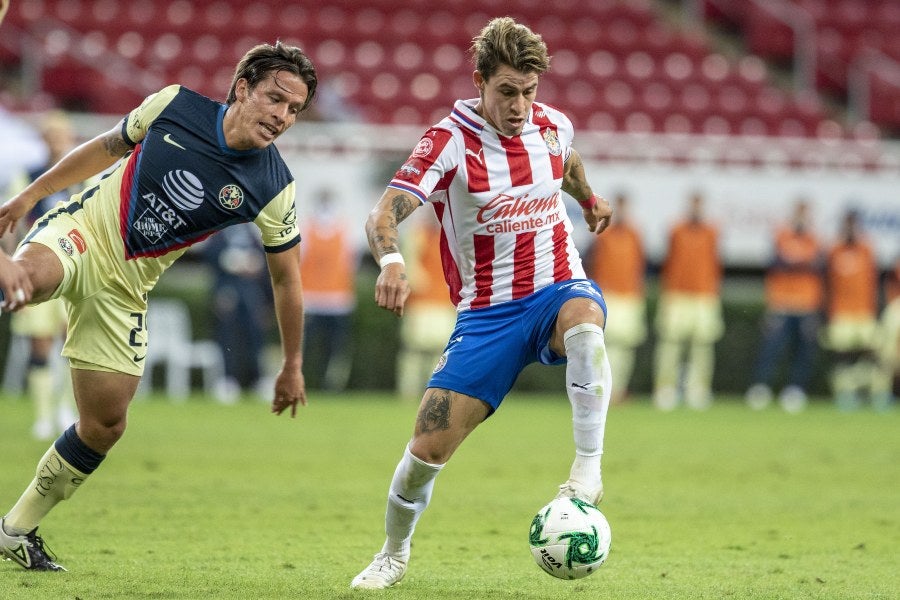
206, 501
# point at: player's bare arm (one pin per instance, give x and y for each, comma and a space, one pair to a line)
595, 210
82, 163
392, 286
287, 288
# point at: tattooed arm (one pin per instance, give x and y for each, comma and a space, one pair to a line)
575, 184
83, 162
392, 287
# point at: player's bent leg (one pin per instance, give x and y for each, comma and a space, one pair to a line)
43, 268
102, 399
445, 419
589, 388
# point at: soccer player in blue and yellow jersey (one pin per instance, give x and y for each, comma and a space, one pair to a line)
191, 167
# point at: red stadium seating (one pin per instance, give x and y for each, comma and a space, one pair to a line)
616, 65
844, 32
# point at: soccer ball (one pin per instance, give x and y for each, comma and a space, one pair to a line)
569, 538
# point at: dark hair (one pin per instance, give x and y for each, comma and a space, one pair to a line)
505, 42
263, 59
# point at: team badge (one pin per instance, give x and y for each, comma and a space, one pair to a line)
441, 363
66, 246
231, 196
552, 141
424, 147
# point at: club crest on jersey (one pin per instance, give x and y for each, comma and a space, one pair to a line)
231, 196
552, 141
66, 246
424, 147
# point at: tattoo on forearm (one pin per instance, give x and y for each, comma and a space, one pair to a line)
383, 233
574, 180
435, 413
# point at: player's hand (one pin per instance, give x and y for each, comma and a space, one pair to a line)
10, 213
392, 288
598, 217
14, 283
290, 390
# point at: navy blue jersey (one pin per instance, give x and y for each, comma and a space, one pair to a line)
182, 183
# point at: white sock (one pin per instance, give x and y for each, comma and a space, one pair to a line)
408, 497
589, 387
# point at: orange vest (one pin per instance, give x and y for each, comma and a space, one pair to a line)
852, 281
427, 281
692, 264
327, 267
794, 283
617, 261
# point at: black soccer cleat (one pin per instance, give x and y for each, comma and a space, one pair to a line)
28, 550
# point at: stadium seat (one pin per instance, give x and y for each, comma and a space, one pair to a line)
173, 348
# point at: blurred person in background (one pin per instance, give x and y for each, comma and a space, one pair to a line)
186, 167
47, 382
428, 316
240, 294
493, 171
887, 384
617, 263
689, 315
852, 309
794, 293
328, 263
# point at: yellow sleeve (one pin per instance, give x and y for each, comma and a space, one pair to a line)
138, 121
278, 221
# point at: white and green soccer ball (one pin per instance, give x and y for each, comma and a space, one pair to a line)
569, 538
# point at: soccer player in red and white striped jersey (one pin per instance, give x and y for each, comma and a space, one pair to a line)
494, 171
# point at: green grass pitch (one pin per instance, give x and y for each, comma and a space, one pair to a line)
204, 501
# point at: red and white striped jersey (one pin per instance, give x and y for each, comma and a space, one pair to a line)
505, 230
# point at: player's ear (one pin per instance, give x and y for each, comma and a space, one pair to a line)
478, 80
241, 89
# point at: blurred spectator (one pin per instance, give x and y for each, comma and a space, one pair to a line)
240, 294
47, 381
794, 293
616, 262
429, 316
689, 314
852, 288
28, 150
328, 265
887, 385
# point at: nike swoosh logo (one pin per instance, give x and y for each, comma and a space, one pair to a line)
137, 358
168, 139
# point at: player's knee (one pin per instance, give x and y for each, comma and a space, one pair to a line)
101, 435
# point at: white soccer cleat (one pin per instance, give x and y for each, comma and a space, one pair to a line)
574, 489
28, 550
385, 571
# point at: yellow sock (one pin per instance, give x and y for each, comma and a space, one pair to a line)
55, 480
40, 388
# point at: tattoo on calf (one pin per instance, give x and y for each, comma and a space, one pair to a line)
435, 414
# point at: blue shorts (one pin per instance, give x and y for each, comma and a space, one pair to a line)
490, 346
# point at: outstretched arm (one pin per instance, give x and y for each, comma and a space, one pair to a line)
83, 162
290, 386
392, 287
596, 211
